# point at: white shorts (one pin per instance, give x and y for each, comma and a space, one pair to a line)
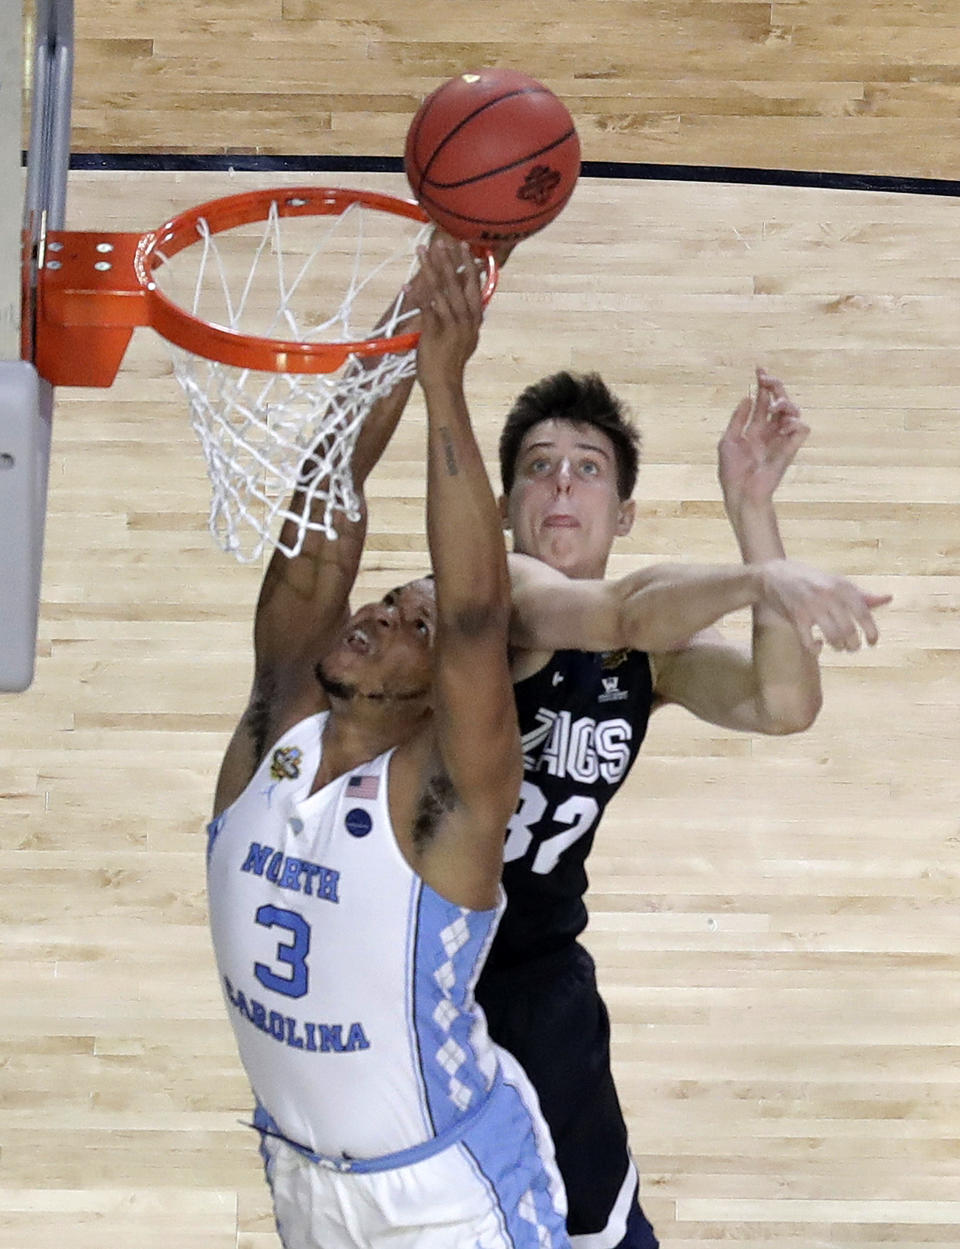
497, 1187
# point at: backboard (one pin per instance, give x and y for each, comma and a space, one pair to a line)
36, 62
11, 207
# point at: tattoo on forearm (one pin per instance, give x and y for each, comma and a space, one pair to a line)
449, 454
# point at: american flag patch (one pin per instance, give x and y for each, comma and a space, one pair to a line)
363, 786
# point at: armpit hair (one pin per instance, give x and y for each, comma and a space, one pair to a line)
437, 799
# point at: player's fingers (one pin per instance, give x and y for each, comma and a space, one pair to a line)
849, 622
436, 290
790, 439
448, 258
767, 381
868, 625
784, 408
423, 283
431, 260
805, 628
835, 621
761, 403
460, 280
740, 419
472, 282
439, 237
855, 622
785, 424
780, 401
811, 642
430, 255
447, 296
838, 639
863, 608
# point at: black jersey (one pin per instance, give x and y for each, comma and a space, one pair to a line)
582, 719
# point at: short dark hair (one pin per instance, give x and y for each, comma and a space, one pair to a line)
582, 399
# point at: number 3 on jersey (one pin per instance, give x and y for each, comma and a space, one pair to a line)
293, 955
579, 812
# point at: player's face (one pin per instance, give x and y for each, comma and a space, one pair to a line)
564, 507
386, 648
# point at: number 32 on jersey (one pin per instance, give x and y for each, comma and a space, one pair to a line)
579, 813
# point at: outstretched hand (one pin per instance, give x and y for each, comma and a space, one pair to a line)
759, 444
816, 602
448, 285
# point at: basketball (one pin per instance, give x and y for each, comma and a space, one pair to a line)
492, 156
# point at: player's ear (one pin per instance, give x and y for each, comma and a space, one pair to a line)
626, 515
503, 503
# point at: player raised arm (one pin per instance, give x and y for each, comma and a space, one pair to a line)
305, 599
759, 444
661, 607
775, 686
471, 777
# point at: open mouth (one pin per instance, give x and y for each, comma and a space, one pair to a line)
358, 640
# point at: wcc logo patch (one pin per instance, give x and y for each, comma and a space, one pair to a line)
285, 764
612, 693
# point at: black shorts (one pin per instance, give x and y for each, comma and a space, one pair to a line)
550, 1016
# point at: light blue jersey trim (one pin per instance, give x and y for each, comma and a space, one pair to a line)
451, 944
410, 1006
266, 1126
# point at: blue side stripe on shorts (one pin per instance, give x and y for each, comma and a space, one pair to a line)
505, 1151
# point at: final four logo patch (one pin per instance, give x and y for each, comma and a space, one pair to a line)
285, 764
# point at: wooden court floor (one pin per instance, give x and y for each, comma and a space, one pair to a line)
775, 921
864, 86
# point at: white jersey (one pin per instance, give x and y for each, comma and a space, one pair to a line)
349, 981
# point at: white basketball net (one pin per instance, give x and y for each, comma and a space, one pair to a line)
266, 434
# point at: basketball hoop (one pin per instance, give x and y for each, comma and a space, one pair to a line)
276, 369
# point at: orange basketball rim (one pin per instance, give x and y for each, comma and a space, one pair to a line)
95, 287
